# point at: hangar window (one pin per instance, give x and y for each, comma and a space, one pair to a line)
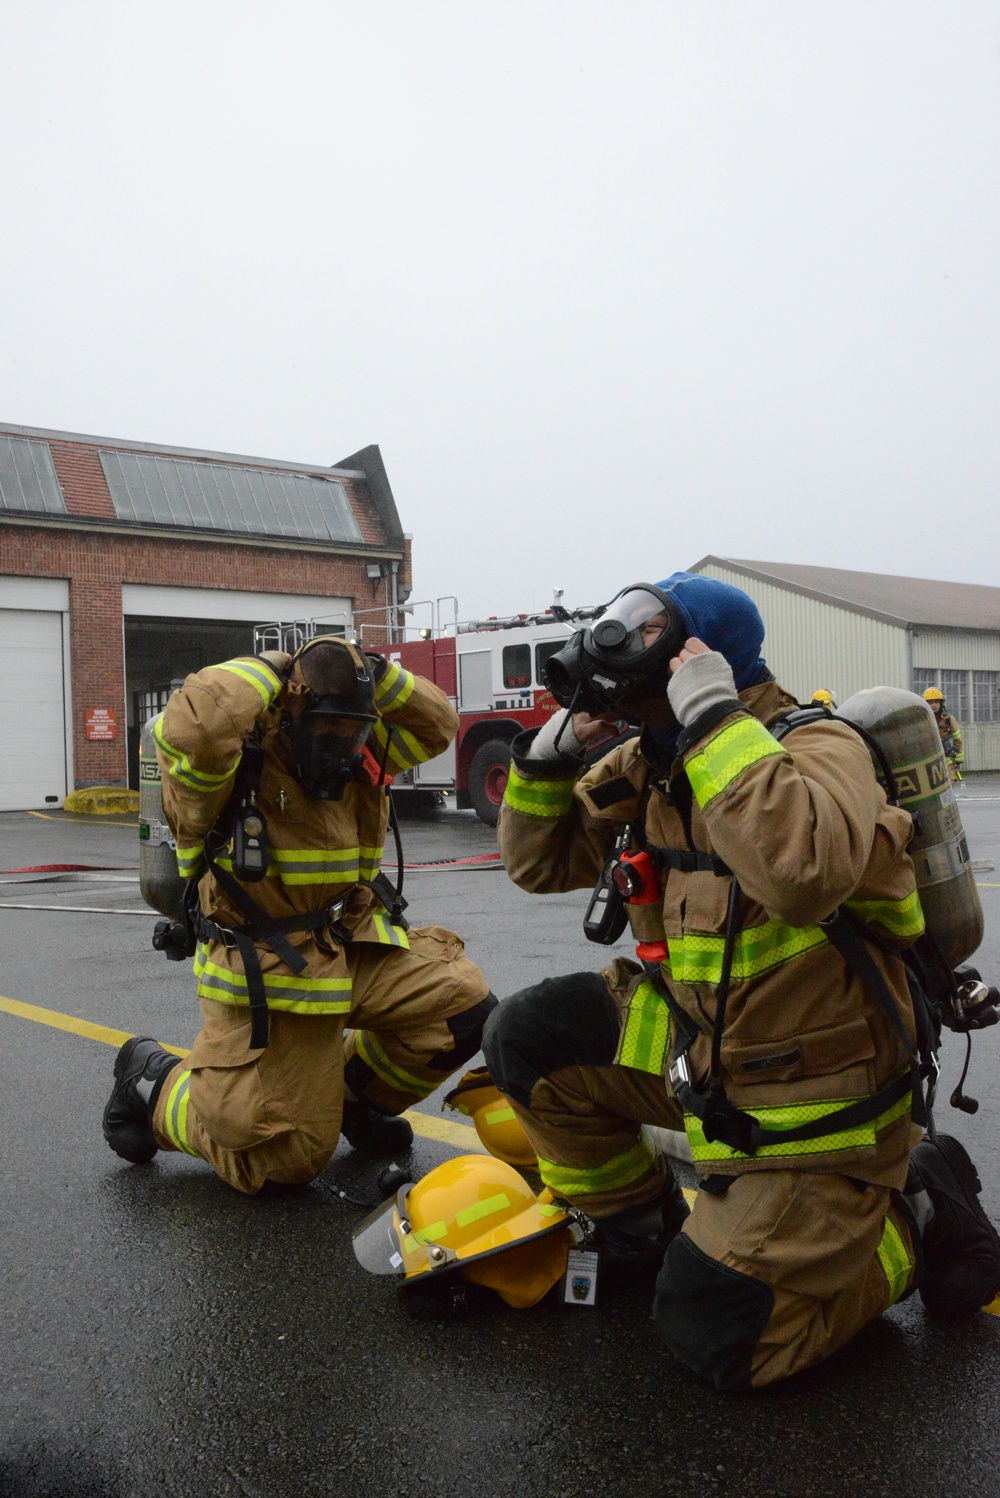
924, 677
986, 696
155, 490
955, 686
28, 478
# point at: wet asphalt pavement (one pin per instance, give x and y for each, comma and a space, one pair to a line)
162, 1334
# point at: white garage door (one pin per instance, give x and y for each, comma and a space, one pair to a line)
32, 712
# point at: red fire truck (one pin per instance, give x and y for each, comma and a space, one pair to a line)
492, 671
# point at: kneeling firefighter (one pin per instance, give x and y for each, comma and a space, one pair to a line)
275, 774
770, 1013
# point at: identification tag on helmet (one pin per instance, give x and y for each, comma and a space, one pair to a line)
581, 1277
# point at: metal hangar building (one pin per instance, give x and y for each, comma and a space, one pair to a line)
828, 627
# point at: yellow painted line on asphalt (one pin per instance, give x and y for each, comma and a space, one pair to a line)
97, 821
443, 1130
72, 1024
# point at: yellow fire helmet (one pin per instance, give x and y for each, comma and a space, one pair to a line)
474, 1216
822, 698
933, 694
496, 1123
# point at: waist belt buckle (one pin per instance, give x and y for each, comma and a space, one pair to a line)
679, 1074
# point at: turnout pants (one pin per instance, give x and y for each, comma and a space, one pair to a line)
764, 1280
274, 1114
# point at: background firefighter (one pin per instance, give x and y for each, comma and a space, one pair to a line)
792, 1246
950, 730
414, 1002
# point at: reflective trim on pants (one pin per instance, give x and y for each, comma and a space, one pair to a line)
371, 1051
621, 1170
896, 1260
175, 1115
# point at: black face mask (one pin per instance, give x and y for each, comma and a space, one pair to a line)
327, 741
328, 737
622, 657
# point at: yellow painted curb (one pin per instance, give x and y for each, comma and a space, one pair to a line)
102, 800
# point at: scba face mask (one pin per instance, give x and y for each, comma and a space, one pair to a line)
328, 737
623, 656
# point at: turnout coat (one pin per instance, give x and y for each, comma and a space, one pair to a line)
323, 854
805, 827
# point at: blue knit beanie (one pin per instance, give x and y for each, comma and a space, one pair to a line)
726, 618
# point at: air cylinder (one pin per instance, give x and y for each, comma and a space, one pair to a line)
906, 731
160, 883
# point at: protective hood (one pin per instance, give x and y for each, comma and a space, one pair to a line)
726, 618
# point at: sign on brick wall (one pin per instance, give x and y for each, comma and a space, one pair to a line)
101, 723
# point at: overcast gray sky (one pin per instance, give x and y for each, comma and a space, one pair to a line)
613, 284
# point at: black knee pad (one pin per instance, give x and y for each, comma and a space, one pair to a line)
570, 1021
467, 1030
358, 1076
710, 1316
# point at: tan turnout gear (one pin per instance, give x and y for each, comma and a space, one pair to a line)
806, 828
415, 1003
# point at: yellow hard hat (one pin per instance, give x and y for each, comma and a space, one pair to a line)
822, 697
496, 1123
933, 694
476, 1216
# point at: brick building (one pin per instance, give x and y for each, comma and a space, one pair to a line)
125, 565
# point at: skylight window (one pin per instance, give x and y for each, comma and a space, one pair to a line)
153, 490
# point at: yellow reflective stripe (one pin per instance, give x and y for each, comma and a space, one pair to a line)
388, 934
315, 865
189, 860
790, 1116
646, 1033
405, 749
181, 768
176, 1112
369, 861
727, 755
395, 688
894, 1257
900, 918
371, 1050
283, 990
619, 1171
264, 680
538, 798
479, 1210
697, 958
498, 1115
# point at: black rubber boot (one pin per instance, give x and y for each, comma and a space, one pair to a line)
960, 1244
141, 1068
633, 1242
366, 1128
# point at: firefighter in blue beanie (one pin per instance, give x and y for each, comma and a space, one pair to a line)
733, 852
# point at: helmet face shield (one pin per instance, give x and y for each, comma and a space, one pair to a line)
385, 1241
623, 656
